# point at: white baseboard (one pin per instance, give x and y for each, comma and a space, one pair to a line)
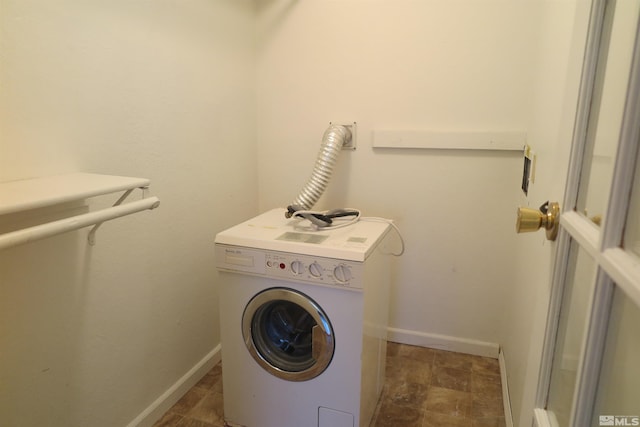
444, 342
506, 400
156, 410
541, 418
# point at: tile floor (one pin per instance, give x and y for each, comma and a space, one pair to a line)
424, 388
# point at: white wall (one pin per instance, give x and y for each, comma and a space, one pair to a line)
416, 65
163, 90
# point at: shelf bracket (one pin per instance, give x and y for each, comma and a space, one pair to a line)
92, 234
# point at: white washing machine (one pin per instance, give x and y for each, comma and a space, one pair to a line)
303, 317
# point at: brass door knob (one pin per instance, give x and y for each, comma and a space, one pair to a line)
547, 217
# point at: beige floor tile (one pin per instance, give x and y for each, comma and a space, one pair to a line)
191, 422
393, 349
424, 388
453, 360
406, 394
453, 403
409, 370
391, 415
212, 380
188, 401
489, 422
433, 419
451, 378
423, 354
209, 409
170, 419
484, 407
486, 385
393, 369
485, 365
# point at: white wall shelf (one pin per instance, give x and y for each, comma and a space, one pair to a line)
23, 195
476, 140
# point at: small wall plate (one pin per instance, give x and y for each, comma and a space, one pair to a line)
350, 144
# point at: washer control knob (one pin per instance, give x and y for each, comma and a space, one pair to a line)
342, 273
297, 267
315, 269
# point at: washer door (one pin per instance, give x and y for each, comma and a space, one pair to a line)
288, 334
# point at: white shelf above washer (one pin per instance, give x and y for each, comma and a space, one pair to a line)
24, 195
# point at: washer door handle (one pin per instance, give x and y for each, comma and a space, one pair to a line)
317, 342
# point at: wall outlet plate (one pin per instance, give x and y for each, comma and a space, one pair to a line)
349, 144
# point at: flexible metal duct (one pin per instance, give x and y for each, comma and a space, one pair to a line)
334, 137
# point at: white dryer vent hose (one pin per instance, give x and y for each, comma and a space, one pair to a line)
334, 138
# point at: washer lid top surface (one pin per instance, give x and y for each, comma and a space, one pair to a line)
273, 231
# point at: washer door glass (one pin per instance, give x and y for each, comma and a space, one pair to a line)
288, 334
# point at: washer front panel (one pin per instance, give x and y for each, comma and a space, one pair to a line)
292, 267
288, 334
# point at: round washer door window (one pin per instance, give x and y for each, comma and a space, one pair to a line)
288, 334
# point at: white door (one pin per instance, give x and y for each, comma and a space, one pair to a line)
590, 373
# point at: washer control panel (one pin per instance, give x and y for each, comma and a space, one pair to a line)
296, 267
